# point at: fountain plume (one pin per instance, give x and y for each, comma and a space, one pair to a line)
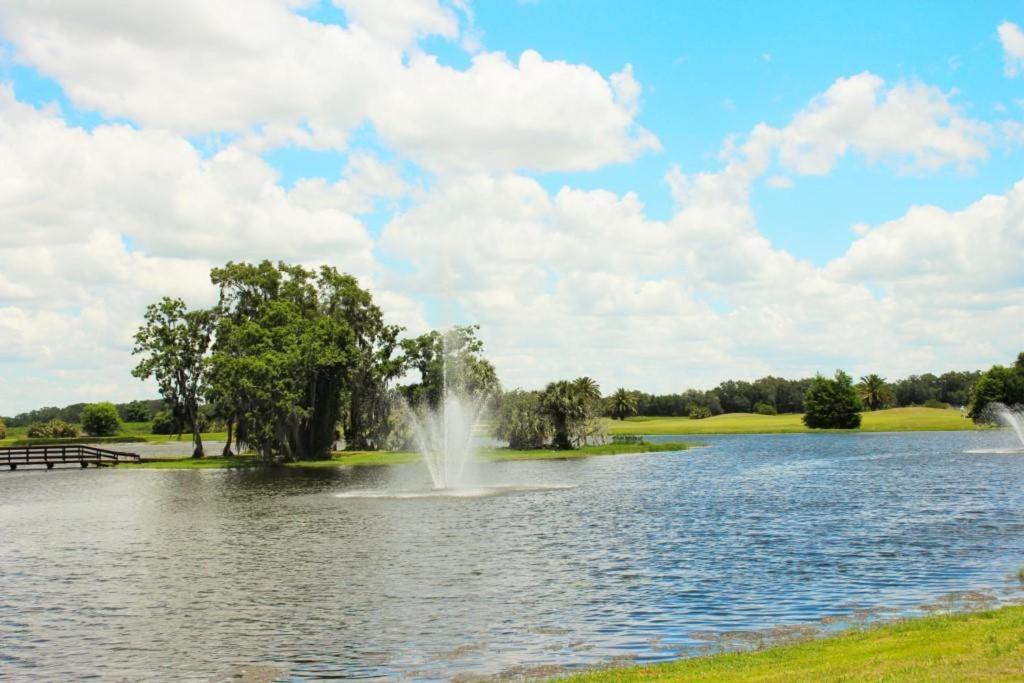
1011, 417
444, 432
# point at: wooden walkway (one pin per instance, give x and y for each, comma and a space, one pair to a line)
69, 454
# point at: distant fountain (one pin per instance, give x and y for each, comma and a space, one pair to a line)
1007, 416
1010, 417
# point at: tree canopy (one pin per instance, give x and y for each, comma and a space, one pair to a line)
832, 403
101, 419
999, 384
173, 342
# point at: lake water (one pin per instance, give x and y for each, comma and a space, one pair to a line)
175, 575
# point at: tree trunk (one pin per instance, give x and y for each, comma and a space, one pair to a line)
227, 446
197, 439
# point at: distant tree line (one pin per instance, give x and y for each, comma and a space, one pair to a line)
770, 395
134, 411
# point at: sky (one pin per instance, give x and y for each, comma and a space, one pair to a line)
659, 195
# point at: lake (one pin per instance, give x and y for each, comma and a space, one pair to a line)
172, 575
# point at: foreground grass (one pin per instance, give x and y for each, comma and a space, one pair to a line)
891, 420
376, 458
980, 646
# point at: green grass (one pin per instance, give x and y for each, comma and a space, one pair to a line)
498, 454
140, 430
375, 458
891, 420
979, 646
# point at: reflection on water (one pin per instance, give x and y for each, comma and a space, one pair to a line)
165, 575
474, 492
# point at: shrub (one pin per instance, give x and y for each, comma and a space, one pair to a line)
3, 430
165, 422
101, 419
832, 403
699, 412
523, 421
54, 429
765, 408
136, 411
936, 403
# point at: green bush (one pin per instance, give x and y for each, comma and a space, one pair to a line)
936, 403
165, 422
54, 429
832, 403
765, 408
101, 419
699, 412
522, 420
136, 411
3, 430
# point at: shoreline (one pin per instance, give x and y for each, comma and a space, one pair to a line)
968, 645
383, 458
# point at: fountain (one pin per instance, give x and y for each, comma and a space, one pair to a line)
1011, 417
444, 436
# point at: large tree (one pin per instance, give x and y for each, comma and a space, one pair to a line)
174, 343
832, 403
999, 384
286, 349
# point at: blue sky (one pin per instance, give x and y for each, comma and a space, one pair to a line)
392, 140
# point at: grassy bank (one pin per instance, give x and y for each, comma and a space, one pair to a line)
139, 431
374, 458
891, 420
980, 646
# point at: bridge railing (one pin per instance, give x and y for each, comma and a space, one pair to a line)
49, 455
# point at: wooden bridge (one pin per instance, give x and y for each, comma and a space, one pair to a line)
68, 454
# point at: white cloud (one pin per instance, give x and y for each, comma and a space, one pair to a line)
500, 115
256, 69
401, 23
913, 123
929, 251
1012, 39
779, 182
72, 291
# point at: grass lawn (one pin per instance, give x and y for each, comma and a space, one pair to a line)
891, 420
371, 458
979, 646
139, 430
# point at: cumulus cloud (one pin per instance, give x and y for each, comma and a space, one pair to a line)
1012, 38
256, 69
914, 123
99, 224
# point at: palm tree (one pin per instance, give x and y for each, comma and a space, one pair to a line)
587, 391
622, 404
560, 402
570, 404
874, 391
